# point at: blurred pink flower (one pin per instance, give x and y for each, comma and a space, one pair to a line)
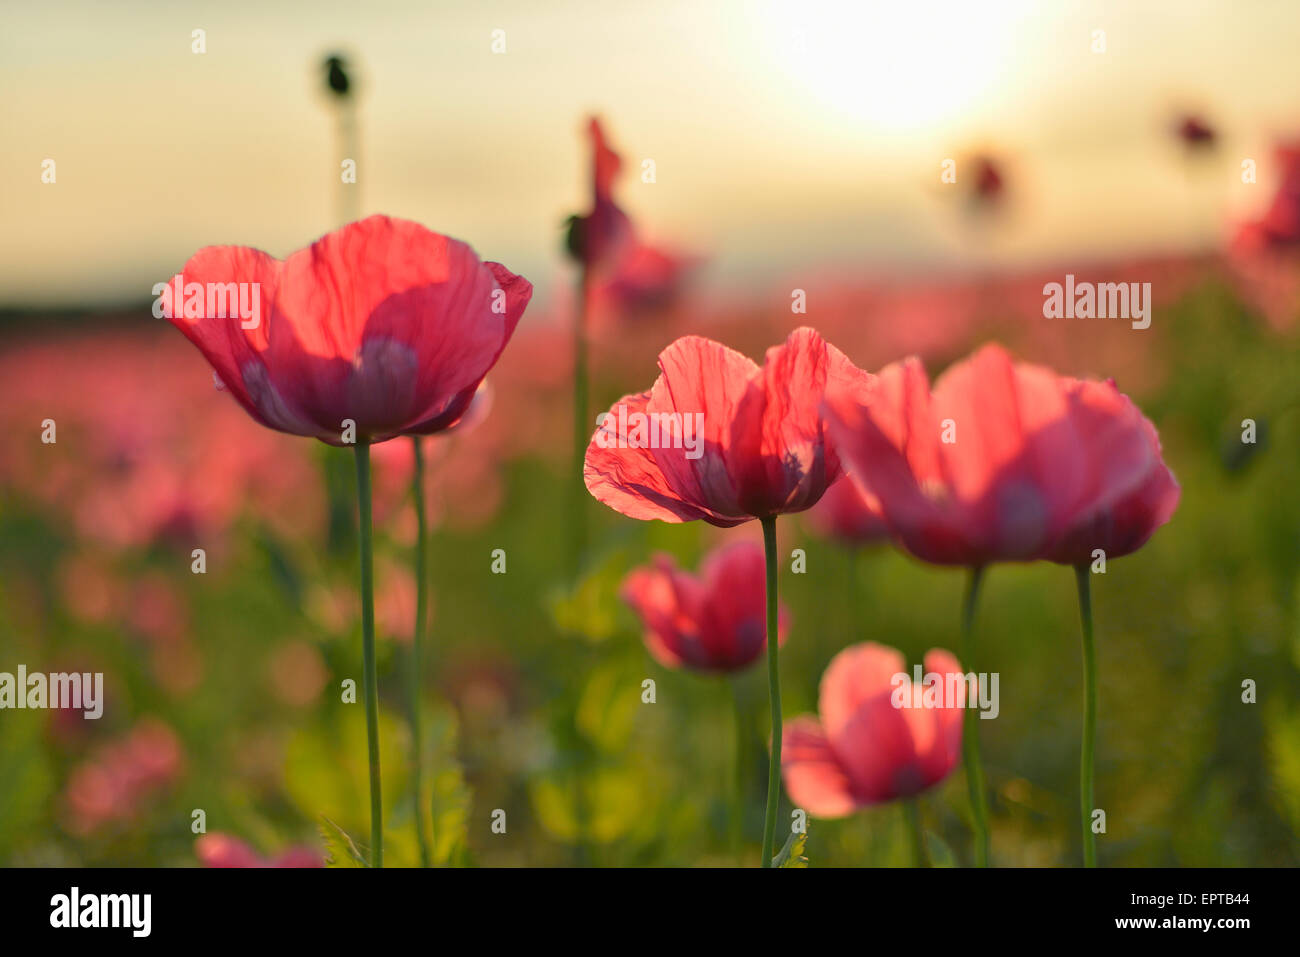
158, 610
466, 471
131, 470
714, 622
1279, 226
123, 776
222, 850
848, 516
626, 275
1264, 255
395, 601
872, 740
91, 591
483, 683
297, 673
1050, 467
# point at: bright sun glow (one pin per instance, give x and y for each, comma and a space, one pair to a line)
902, 66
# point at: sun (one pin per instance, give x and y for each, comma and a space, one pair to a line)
901, 66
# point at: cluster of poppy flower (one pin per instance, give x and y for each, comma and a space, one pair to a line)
384, 329
999, 462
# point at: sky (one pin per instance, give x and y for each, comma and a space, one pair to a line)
787, 135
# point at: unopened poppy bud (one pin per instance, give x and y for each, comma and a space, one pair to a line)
575, 237
336, 76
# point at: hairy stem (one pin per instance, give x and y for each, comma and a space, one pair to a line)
417, 640
773, 691
368, 652
1082, 578
970, 744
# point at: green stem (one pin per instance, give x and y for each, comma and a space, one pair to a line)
1081, 577
417, 639
368, 653
582, 429
970, 744
738, 781
349, 198
581, 425
773, 692
912, 811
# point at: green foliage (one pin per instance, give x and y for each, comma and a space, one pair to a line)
450, 795
340, 849
792, 853
592, 608
326, 772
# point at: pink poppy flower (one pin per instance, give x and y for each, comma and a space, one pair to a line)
382, 322
866, 747
720, 438
1003, 461
1122, 520
714, 622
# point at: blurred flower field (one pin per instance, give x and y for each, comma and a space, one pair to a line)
224, 688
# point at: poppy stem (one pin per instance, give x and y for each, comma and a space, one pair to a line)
738, 781
348, 149
970, 744
1082, 579
417, 639
581, 432
912, 811
578, 524
362, 450
773, 692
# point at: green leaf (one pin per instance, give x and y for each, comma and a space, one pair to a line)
340, 849
941, 854
792, 854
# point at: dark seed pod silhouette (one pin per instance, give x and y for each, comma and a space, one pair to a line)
336, 75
